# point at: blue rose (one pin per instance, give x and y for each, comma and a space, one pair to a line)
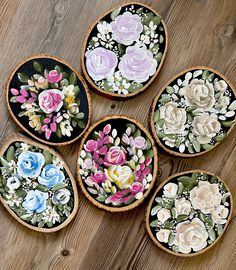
50, 176
30, 164
35, 201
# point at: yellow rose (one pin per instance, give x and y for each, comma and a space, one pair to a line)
122, 176
42, 83
35, 122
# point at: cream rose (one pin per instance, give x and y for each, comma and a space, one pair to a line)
199, 93
205, 127
221, 86
163, 214
183, 206
163, 235
223, 101
191, 235
170, 190
174, 118
205, 197
220, 214
122, 176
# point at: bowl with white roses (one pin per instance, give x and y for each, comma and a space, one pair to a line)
189, 212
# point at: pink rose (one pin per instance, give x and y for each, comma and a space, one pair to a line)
51, 100
100, 63
98, 177
126, 28
137, 64
53, 76
115, 156
136, 188
91, 146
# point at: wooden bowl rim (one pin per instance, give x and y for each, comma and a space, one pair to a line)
152, 110
148, 209
154, 162
84, 70
15, 137
60, 60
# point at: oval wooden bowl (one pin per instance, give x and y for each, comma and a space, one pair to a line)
154, 103
15, 137
155, 165
27, 128
148, 210
112, 95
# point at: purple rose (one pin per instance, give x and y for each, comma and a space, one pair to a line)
98, 177
100, 63
91, 146
126, 28
137, 64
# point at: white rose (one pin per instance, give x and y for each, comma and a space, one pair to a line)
13, 182
163, 235
220, 214
174, 118
221, 86
170, 190
199, 93
183, 206
205, 127
223, 101
205, 196
163, 215
61, 196
191, 235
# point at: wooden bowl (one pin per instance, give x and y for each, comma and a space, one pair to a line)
170, 136
27, 214
41, 117
117, 184
177, 217
138, 82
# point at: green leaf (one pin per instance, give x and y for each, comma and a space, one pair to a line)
76, 90
49, 224
210, 77
227, 123
59, 186
213, 179
221, 137
115, 13
149, 154
133, 128
137, 133
121, 48
207, 146
73, 78
158, 199
147, 17
58, 132
135, 87
171, 239
139, 10
205, 74
13, 99
23, 77
187, 182
41, 188
180, 188
154, 223
158, 57
161, 39
79, 115
161, 123
156, 20
47, 156
155, 209
168, 224
173, 212
170, 89
101, 198
196, 145
64, 82
10, 153
58, 68
160, 134
106, 86
212, 234
164, 100
190, 149
220, 229
27, 217
156, 116
38, 67
81, 124
181, 218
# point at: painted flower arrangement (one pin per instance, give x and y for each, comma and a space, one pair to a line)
116, 166
35, 185
190, 212
49, 101
194, 112
124, 49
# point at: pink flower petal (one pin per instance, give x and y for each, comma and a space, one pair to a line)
53, 127
102, 150
48, 133
107, 129
21, 99
24, 93
106, 140
47, 120
14, 91
44, 127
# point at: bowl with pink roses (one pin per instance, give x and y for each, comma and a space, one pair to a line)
49, 100
117, 163
124, 50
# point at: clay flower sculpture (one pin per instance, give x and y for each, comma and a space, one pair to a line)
116, 168
189, 212
194, 112
49, 100
124, 49
35, 185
